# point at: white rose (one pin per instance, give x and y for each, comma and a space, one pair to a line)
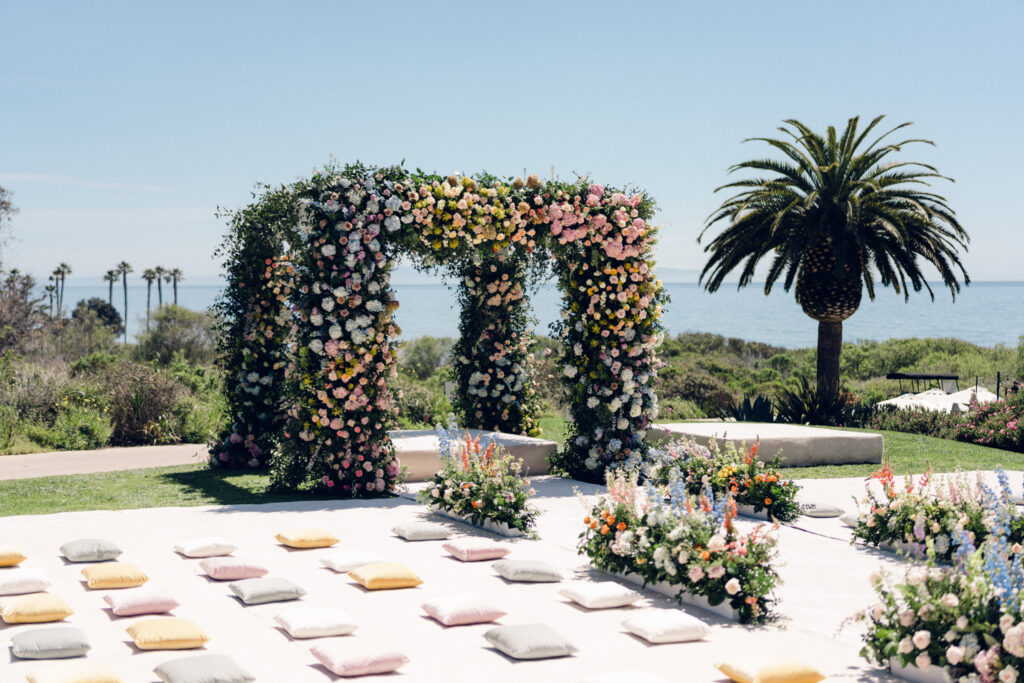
569, 371
917, 576
905, 647
950, 601
732, 586
1008, 675
327, 250
592, 402
327, 304
922, 639
954, 655
923, 661
623, 423
335, 331
316, 319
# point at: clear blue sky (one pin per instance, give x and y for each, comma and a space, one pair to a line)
125, 124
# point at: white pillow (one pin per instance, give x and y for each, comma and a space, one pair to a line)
422, 531
625, 676
666, 626
344, 561
137, 601
23, 580
205, 547
600, 595
462, 609
315, 622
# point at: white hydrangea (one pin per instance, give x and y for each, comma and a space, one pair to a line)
327, 303
316, 319
316, 346
569, 371
328, 250
335, 331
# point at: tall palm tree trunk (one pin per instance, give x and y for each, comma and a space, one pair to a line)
124, 281
110, 292
149, 297
830, 346
159, 294
175, 291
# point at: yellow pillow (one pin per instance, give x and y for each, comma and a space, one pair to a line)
778, 670
35, 609
79, 672
114, 575
169, 633
382, 575
10, 556
307, 538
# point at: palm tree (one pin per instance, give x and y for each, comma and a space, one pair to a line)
161, 274
50, 290
148, 275
59, 275
176, 275
834, 216
123, 268
110, 278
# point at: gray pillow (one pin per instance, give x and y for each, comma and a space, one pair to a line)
529, 641
527, 570
90, 550
203, 669
267, 589
56, 642
820, 510
422, 531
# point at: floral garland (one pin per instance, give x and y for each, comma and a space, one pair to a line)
357, 220
726, 470
692, 543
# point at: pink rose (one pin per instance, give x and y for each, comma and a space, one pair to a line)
954, 655
695, 574
716, 571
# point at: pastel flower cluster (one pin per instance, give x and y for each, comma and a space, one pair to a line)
966, 618
999, 424
665, 534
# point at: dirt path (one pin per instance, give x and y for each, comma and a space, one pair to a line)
103, 460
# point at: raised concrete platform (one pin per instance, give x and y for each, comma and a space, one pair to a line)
418, 449
797, 445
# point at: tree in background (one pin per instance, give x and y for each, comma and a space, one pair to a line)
60, 276
148, 275
833, 217
161, 274
176, 275
20, 312
7, 210
110, 277
102, 310
49, 291
123, 268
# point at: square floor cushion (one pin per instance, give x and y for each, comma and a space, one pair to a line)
666, 626
385, 575
475, 549
90, 550
529, 641
114, 575
315, 622
203, 669
23, 580
769, 670
527, 570
461, 609
167, 633
356, 659
600, 595
211, 546
267, 589
132, 603
306, 538
75, 672
344, 561
35, 609
10, 556
232, 568
422, 531
52, 642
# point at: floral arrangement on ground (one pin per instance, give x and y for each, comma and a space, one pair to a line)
480, 482
727, 469
928, 510
664, 534
965, 618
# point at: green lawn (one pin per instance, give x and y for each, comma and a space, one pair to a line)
190, 485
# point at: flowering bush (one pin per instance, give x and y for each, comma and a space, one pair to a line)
728, 471
667, 535
966, 618
931, 510
999, 424
482, 482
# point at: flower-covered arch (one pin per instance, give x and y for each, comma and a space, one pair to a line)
311, 336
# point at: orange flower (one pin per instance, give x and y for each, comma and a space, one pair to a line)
473, 503
593, 524
733, 489
586, 520
705, 555
767, 501
611, 519
621, 526
605, 530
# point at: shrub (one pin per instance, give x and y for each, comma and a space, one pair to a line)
95, 362
21, 313
805, 405
424, 356
760, 410
421, 404
914, 421
103, 311
679, 409
999, 424
176, 329
142, 400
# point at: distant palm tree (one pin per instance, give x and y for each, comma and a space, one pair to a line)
50, 290
123, 268
161, 274
176, 275
60, 274
110, 278
832, 217
148, 275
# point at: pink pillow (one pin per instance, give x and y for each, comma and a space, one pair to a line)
132, 602
346, 659
474, 549
462, 609
231, 568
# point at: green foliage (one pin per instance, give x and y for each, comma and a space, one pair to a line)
804, 404
102, 311
421, 404
178, 330
914, 421
95, 362
999, 424
760, 410
424, 356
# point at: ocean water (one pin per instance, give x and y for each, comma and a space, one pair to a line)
986, 313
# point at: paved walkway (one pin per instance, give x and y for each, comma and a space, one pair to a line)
103, 460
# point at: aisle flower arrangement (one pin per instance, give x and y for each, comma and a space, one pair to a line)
931, 509
480, 482
727, 469
666, 535
966, 618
